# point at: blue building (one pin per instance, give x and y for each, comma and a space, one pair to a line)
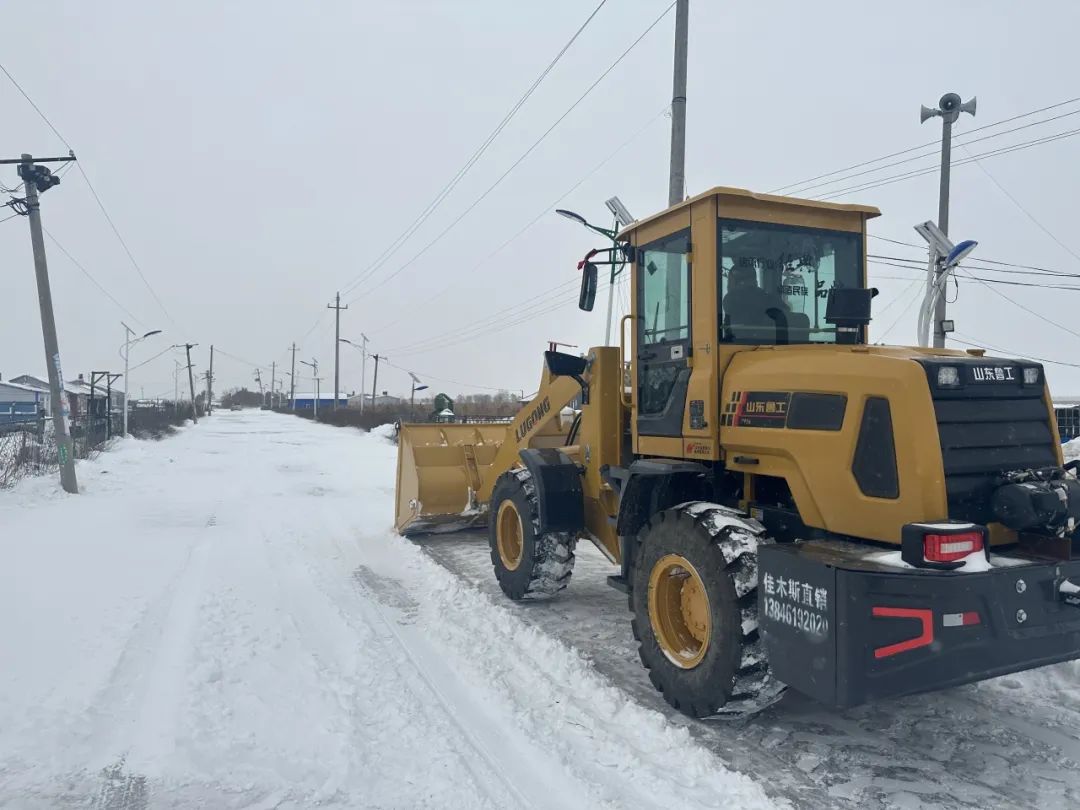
306, 402
20, 404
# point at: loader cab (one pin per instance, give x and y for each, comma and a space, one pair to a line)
724, 272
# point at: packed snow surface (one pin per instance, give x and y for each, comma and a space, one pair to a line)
225, 619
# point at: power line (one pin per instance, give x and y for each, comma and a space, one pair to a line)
924, 145
440, 379
93, 191
930, 170
546, 211
466, 338
543, 299
527, 152
93, 280
1026, 309
903, 312
933, 154
219, 350
460, 174
1026, 356
917, 264
1026, 213
896, 241
37, 109
151, 360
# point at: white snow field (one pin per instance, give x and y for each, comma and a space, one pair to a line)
224, 619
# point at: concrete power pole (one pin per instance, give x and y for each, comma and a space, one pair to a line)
210, 383
191, 382
363, 369
273, 374
375, 382
677, 176
949, 110
337, 307
37, 179
292, 379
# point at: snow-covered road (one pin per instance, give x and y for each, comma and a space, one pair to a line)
223, 619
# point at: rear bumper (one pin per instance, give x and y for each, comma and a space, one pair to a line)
857, 630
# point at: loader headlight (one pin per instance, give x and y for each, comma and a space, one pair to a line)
948, 376
1031, 375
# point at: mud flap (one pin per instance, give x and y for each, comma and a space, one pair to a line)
557, 479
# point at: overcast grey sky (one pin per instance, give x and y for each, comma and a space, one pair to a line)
257, 156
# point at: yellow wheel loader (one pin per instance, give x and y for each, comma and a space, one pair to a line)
788, 505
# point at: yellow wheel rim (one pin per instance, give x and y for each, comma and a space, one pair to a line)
679, 611
509, 535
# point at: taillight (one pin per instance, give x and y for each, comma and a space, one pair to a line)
951, 547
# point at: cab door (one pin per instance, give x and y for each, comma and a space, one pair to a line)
662, 337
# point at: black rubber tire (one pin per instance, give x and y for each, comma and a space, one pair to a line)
547, 560
721, 543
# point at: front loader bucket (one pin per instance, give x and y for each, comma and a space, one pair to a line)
440, 468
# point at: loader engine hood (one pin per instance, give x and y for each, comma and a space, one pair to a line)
908, 435
998, 447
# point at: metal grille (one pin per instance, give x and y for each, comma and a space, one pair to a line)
982, 438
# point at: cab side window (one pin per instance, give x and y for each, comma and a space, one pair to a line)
663, 275
665, 290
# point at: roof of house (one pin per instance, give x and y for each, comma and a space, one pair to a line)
22, 387
38, 384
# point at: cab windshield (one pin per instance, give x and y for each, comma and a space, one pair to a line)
775, 280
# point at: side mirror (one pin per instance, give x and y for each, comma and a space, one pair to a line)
587, 297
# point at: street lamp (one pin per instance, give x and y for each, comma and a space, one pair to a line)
949, 108
128, 343
944, 258
412, 396
363, 364
622, 219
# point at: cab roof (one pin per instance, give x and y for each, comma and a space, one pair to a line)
729, 192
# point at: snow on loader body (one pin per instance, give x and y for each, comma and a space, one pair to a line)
787, 505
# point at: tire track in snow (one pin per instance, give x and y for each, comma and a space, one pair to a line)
302, 592
136, 711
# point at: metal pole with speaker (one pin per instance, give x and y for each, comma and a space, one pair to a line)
949, 108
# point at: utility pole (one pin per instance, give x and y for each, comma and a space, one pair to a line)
363, 368
315, 378
375, 382
191, 382
677, 175
262, 394
292, 379
38, 179
128, 343
210, 383
273, 373
337, 307
109, 380
949, 110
